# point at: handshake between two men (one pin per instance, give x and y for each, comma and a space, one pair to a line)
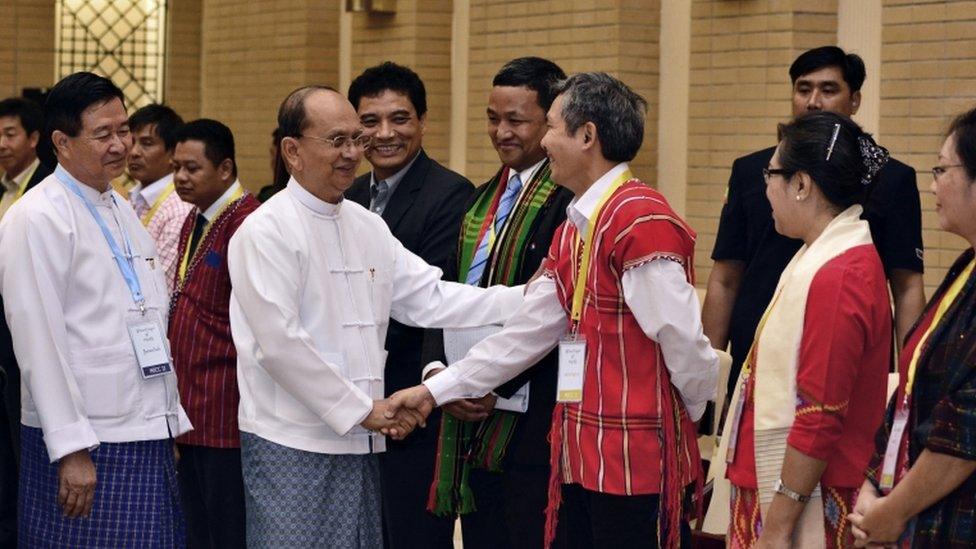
401, 413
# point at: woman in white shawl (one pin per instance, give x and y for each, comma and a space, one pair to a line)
812, 391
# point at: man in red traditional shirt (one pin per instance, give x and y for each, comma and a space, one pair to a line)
211, 484
635, 369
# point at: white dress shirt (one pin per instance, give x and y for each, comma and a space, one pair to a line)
658, 293
68, 305
143, 197
314, 287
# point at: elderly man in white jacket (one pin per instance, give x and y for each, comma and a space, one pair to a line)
315, 281
87, 305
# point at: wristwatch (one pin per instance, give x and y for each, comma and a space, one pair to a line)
781, 488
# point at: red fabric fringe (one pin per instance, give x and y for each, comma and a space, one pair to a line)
555, 487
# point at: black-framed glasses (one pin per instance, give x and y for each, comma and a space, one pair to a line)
767, 172
939, 170
340, 142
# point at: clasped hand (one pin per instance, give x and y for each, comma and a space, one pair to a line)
873, 522
394, 423
402, 412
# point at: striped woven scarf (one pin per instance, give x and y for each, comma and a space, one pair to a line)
482, 444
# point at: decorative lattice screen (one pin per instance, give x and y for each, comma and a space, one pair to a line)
121, 39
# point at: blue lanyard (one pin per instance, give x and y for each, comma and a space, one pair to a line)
124, 262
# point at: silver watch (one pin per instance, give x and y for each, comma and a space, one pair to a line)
781, 488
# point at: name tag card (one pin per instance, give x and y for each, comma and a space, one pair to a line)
572, 364
150, 347
891, 452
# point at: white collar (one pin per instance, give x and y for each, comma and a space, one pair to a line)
15, 184
525, 175
311, 201
93, 195
151, 192
582, 209
211, 212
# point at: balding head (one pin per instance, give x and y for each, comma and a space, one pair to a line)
311, 120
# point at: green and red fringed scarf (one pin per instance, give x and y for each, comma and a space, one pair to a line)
482, 444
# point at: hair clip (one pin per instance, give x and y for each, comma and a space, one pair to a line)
873, 156
833, 141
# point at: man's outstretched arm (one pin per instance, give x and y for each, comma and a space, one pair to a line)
533, 331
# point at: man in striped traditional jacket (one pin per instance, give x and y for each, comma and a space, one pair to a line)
211, 484
616, 296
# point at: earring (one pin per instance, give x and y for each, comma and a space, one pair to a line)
798, 198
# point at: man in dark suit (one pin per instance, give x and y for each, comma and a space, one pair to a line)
422, 202
21, 122
750, 255
509, 482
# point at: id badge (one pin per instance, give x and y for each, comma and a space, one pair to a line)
149, 343
891, 452
572, 363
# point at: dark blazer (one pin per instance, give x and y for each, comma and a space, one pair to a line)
10, 412
529, 445
424, 213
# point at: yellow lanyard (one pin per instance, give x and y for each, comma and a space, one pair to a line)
747, 364
584, 269
950, 296
147, 217
185, 261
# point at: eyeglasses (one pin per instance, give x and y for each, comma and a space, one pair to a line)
939, 170
340, 142
768, 172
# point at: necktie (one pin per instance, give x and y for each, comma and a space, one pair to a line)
505, 204
198, 227
378, 194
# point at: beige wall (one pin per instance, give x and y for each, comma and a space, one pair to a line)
928, 75
182, 72
252, 55
26, 45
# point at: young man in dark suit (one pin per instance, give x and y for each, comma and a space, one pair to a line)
509, 482
422, 202
750, 255
21, 123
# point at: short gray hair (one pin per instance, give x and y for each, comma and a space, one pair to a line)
616, 110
